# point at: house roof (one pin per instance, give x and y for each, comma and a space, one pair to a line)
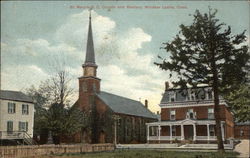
242, 123
181, 94
15, 96
124, 105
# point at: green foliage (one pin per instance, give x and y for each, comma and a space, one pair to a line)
239, 102
197, 46
206, 53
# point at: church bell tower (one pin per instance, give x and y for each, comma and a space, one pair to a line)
89, 84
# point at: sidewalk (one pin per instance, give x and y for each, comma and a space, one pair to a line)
243, 148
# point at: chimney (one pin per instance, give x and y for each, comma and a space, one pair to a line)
146, 103
166, 86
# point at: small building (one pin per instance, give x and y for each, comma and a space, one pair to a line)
16, 117
188, 115
114, 119
242, 130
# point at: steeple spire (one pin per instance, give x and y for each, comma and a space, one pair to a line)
90, 52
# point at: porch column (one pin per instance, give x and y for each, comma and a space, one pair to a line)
159, 133
194, 128
170, 132
147, 133
182, 132
222, 131
208, 133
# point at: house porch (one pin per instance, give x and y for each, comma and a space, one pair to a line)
198, 131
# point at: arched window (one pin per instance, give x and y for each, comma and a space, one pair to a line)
84, 87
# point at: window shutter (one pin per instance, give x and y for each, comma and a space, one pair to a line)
22, 108
14, 105
27, 126
8, 107
27, 109
19, 126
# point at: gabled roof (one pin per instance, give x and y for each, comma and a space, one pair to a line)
124, 105
15, 96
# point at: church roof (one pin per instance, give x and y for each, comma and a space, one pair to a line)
15, 96
124, 105
90, 52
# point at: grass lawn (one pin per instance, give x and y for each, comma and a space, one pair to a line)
148, 154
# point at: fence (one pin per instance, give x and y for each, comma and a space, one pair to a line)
37, 150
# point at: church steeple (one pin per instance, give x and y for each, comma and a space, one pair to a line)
90, 52
89, 65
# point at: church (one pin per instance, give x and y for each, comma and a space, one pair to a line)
112, 118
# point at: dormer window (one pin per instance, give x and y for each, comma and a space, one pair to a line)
172, 114
209, 94
192, 95
172, 96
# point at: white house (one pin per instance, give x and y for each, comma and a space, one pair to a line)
16, 116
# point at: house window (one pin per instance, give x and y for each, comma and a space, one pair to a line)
210, 113
190, 114
10, 126
209, 94
192, 95
173, 130
25, 109
171, 96
172, 114
23, 126
11, 108
211, 131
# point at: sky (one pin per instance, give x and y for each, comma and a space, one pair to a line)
36, 36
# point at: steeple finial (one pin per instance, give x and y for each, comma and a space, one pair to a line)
90, 13
90, 53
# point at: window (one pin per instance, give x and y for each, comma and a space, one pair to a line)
192, 95
94, 88
172, 114
210, 113
211, 131
25, 109
173, 130
84, 87
11, 108
10, 126
190, 114
23, 126
209, 94
171, 96
133, 123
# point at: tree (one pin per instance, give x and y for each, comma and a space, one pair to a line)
56, 89
239, 102
206, 53
52, 110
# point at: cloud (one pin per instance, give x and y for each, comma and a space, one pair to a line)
22, 77
123, 67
